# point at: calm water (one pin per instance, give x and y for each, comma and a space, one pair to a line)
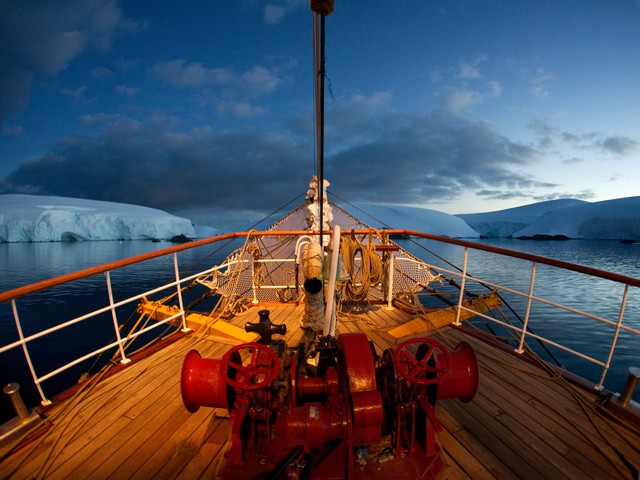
594, 296
26, 263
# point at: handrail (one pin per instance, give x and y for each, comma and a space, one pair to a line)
523, 331
143, 257
80, 274
595, 272
20, 292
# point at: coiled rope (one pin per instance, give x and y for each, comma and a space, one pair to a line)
370, 271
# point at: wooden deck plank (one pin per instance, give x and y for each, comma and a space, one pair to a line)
522, 423
177, 442
551, 419
553, 432
103, 418
504, 443
462, 462
471, 456
91, 414
146, 413
212, 447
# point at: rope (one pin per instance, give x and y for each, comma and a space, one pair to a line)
355, 291
370, 272
258, 272
376, 272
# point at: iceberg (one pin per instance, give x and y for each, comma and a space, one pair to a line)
607, 220
33, 218
504, 223
413, 218
617, 219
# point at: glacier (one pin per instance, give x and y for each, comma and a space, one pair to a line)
34, 218
617, 219
412, 218
504, 223
607, 220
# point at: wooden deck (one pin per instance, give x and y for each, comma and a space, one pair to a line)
523, 423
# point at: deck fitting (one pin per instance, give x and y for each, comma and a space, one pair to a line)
24, 419
630, 385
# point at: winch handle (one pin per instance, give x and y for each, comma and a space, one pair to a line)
252, 368
413, 367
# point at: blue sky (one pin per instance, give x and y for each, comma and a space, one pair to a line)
200, 107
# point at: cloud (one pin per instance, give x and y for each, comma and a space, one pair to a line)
239, 109
101, 73
595, 142
458, 99
538, 80
254, 82
12, 132
537, 197
494, 89
126, 91
76, 95
38, 39
260, 80
587, 194
150, 164
471, 69
618, 145
181, 74
373, 154
275, 11
413, 159
465, 85
573, 160
226, 90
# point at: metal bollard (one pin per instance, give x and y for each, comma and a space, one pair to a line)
13, 391
630, 385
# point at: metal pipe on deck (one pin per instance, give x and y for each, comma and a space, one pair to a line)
13, 391
630, 385
330, 315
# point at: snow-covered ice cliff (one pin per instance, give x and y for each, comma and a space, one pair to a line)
413, 218
617, 219
504, 223
32, 218
607, 220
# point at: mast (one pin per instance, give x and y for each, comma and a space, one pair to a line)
320, 8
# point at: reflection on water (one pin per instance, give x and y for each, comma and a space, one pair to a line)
29, 262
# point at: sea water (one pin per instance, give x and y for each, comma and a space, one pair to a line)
594, 296
25, 263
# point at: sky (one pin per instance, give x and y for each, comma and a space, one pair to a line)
206, 108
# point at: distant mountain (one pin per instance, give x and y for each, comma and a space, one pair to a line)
504, 223
610, 219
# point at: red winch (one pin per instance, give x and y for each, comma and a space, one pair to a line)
333, 409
